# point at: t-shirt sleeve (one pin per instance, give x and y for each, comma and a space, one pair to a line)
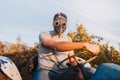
43, 35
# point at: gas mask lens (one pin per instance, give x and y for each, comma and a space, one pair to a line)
64, 24
57, 23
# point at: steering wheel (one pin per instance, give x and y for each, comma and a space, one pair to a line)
78, 60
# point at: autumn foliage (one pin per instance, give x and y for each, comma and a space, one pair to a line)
107, 53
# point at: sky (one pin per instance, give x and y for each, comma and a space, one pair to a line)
27, 18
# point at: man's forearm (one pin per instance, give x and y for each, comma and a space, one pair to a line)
63, 46
67, 46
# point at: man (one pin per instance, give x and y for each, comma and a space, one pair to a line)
54, 47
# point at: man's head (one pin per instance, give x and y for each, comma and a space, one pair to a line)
60, 23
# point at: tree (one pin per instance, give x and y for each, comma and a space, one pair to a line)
107, 53
81, 35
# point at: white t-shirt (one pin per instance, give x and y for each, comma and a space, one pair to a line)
47, 57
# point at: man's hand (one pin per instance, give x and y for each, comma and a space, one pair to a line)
72, 60
95, 49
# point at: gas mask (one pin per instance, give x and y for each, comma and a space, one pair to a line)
60, 24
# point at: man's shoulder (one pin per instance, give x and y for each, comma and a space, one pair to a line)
45, 33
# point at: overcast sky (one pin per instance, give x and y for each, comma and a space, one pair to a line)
28, 18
